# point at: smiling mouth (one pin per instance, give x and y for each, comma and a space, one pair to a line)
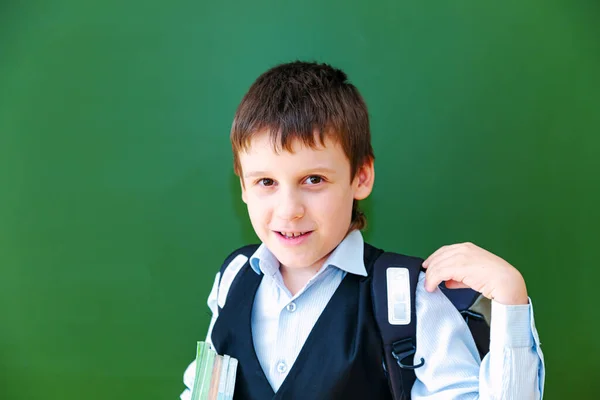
293, 235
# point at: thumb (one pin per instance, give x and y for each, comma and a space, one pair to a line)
455, 285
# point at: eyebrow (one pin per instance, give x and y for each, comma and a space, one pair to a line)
255, 174
311, 171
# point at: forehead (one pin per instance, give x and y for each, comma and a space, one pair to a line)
262, 153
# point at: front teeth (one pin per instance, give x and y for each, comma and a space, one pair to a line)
290, 235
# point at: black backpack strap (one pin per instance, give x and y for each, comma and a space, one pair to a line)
398, 334
246, 251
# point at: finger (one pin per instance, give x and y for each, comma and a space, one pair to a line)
441, 257
452, 284
432, 282
433, 278
445, 270
456, 277
434, 254
438, 252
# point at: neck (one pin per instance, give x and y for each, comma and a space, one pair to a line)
295, 279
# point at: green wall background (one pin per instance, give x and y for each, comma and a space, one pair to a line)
118, 201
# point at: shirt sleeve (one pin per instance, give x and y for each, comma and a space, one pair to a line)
513, 369
189, 374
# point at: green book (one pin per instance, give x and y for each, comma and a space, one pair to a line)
197, 381
215, 375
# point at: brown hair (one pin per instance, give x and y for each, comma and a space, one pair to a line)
302, 101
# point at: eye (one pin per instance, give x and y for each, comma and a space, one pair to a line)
314, 180
266, 182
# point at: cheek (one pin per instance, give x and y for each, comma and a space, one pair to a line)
258, 208
334, 207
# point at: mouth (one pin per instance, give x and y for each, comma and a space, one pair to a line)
293, 237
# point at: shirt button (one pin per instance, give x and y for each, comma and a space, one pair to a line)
291, 307
281, 367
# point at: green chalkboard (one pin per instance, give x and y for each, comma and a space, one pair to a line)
118, 201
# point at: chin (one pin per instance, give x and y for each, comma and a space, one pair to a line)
294, 262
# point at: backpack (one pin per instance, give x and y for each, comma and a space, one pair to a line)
390, 272
396, 318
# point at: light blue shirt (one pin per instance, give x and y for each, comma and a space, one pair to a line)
513, 369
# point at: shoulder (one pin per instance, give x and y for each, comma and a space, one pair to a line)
382, 259
242, 253
230, 269
246, 251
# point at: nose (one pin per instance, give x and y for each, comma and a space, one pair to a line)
289, 205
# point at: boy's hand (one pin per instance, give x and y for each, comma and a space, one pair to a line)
467, 265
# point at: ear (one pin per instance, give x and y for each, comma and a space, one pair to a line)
244, 196
364, 180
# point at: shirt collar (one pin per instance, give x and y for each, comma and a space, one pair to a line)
347, 256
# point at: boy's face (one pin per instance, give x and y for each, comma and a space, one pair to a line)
300, 202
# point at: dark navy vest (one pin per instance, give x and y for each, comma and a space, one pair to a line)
342, 357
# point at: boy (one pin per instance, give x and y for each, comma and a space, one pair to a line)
298, 313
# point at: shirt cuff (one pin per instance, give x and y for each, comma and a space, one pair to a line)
511, 325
